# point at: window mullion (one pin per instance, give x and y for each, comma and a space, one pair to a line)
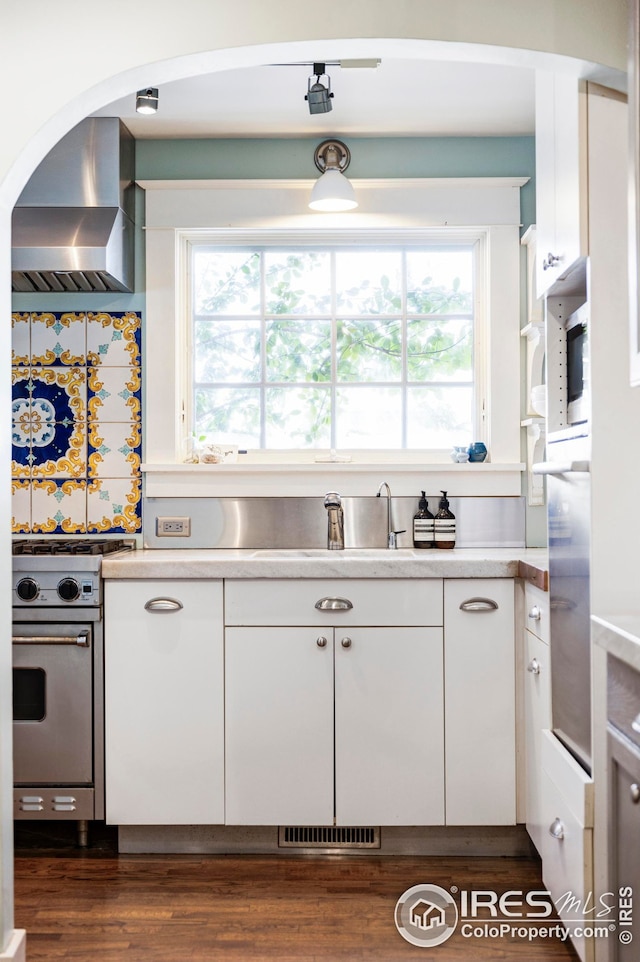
404, 348
263, 354
334, 349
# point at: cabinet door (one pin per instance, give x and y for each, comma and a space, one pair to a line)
624, 831
279, 726
164, 717
545, 176
561, 175
479, 671
537, 717
389, 721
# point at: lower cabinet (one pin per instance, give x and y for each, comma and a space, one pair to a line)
338, 722
624, 835
319, 701
164, 709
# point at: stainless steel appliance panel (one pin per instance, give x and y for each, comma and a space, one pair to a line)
53, 704
569, 513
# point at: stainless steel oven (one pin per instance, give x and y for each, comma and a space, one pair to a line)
58, 687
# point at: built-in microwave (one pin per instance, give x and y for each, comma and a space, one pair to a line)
577, 347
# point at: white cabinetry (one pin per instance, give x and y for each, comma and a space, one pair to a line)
537, 703
340, 718
561, 176
566, 802
164, 702
480, 702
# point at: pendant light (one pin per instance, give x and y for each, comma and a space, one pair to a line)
332, 191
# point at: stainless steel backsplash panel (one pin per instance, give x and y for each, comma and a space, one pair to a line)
302, 522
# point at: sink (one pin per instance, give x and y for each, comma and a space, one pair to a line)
284, 554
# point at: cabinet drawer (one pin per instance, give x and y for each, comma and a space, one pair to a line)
409, 602
569, 777
536, 611
567, 860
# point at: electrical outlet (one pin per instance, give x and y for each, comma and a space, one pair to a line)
173, 527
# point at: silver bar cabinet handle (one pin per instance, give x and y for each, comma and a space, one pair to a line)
163, 606
334, 604
81, 639
479, 604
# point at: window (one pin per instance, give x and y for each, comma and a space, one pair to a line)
476, 218
334, 346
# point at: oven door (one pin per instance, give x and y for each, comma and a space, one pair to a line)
52, 704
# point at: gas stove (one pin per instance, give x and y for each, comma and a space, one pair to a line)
51, 572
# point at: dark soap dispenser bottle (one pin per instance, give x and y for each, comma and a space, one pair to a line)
444, 525
423, 525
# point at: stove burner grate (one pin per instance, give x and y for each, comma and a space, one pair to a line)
70, 547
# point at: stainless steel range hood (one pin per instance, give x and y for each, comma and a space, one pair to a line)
73, 225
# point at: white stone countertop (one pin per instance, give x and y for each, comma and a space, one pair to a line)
619, 635
195, 563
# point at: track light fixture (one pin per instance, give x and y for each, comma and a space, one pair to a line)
332, 191
318, 96
147, 100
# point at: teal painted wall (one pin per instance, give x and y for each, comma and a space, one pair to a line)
370, 157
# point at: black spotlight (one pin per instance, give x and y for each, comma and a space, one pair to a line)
318, 96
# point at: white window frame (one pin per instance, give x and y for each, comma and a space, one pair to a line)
177, 213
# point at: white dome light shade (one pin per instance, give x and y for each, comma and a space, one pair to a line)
332, 192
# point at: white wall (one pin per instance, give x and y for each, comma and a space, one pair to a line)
615, 572
59, 62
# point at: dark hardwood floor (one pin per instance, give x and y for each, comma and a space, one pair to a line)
95, 905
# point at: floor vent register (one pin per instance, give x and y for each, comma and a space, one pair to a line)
328, 837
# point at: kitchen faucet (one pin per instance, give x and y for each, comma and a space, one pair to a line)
335, 531
392, 540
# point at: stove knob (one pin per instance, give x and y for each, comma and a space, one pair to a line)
27, 589
68, 589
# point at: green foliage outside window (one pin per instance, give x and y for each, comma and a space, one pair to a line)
333, 348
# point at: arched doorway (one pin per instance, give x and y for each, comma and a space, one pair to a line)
174, 46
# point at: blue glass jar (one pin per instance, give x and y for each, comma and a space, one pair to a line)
477, 451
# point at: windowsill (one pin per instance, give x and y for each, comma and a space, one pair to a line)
354, 478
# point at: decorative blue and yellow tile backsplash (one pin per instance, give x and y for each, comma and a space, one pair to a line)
76, 423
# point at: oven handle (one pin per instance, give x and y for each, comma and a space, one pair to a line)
560, 467
81, 639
